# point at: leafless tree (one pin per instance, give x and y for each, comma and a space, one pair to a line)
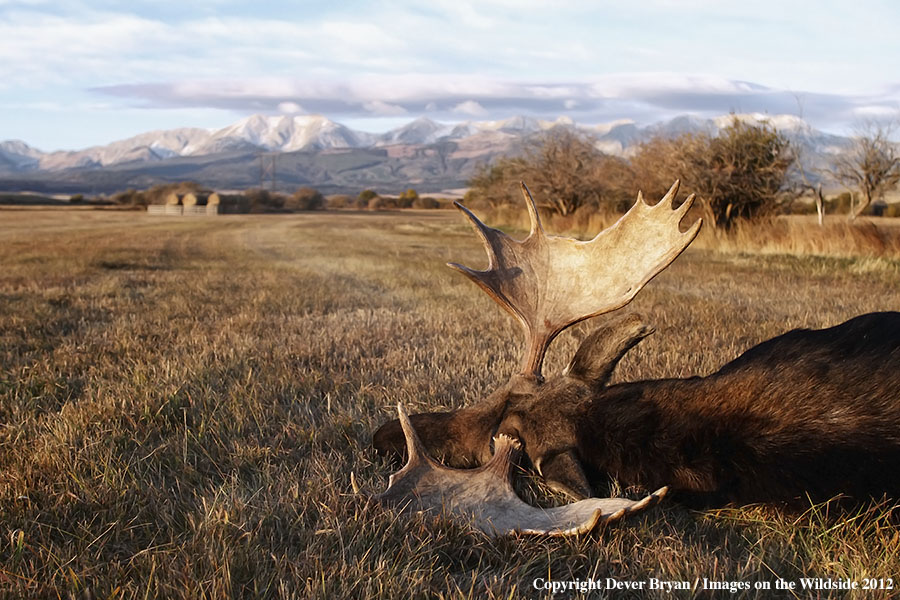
742, 173
871, 167
563, 167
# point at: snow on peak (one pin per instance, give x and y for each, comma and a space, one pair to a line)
284, 133
779, 122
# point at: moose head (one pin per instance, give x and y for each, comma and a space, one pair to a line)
548, 284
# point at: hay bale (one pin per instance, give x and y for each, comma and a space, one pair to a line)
173, 199
214, 199
195, 199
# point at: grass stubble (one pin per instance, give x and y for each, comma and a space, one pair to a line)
182, 403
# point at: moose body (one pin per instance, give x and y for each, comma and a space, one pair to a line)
808, 413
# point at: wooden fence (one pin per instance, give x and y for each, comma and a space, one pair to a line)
177, 210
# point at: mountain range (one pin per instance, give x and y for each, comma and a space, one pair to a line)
313, 150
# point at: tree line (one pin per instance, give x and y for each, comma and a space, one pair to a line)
747, 171
261, 200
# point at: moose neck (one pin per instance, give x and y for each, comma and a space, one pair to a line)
637, 431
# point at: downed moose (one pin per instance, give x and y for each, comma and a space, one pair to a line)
806, 415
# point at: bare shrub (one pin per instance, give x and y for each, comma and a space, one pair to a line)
425, 202
564, 171
408, 198
367, 195
337, 201
263, 200
494, 185
129, 197
871, 167
305, 198
740, 174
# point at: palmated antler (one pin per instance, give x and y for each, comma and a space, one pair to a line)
549, 283
485, 495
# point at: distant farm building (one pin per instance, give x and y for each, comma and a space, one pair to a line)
198, 203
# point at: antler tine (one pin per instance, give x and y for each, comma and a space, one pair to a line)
495, 241
533, 216
484, 232
669, 198
550, 283
415, 450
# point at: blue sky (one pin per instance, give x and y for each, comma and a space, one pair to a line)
75, 74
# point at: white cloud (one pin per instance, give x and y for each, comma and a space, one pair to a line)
380, 108
644, 97
878, 111
625, 85
477, 58
268, 87
290, 108
470, 108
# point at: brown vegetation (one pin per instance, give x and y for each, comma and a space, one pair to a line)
183, 404
159, 194
305, 198
741, 174
562, 169
872, 238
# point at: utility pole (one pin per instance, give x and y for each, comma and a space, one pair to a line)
267, 170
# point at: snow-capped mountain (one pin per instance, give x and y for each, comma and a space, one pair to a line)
146, 147
285, 134
257, 132
312, 133
421, 131
16, 154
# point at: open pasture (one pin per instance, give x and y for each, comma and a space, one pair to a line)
182, 402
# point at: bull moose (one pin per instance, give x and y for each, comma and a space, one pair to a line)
810, 414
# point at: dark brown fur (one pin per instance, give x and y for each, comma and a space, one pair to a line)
809, 413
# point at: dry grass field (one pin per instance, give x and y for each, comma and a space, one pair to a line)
182, 403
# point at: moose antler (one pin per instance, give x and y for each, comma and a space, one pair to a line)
549, 283
486, 496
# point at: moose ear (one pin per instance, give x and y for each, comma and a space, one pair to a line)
602, 350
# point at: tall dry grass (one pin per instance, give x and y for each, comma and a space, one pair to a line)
790, 234
182, 403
